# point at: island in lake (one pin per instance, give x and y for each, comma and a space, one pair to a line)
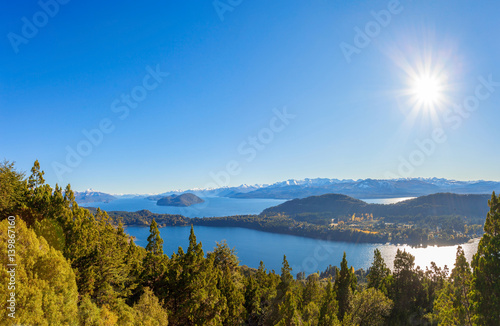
183, 200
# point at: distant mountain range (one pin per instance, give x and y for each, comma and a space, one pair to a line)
92, 196
290, 189
368, 188
215, 192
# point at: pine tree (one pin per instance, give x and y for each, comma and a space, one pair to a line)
12, 190
310, 299
345, 285
39, 195
285, 285
190, 285
36, 178
406, 290
486, 265
288, 312
329, 307
452, 305
155, 262
149, 310
155, 242
378, 273
286, 280
369, 307
252, 301
461, 278
230, 283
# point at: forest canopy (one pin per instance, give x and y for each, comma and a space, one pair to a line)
77, 267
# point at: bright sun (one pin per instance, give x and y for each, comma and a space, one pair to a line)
427, 90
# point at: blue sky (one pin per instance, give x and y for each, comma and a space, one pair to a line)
228, 77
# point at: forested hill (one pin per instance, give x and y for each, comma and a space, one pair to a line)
336, 205
65, 265
183, 200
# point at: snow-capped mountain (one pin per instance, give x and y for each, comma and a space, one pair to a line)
211, 192
369, 188
289, 189
92, 196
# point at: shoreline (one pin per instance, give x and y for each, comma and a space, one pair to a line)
329, 239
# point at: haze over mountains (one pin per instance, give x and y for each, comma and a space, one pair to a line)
92, 196
361, 189
369, 188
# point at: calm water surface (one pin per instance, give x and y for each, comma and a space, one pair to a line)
213, 206
303, 254
386, 200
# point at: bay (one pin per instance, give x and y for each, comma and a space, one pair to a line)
213, 206
303, 254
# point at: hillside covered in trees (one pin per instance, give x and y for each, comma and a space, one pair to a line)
341, 206
183, 200
77, 267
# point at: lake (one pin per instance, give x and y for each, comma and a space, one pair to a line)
303, 254
213, 206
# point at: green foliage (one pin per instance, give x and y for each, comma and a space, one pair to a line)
377, 277
149, 311
12, 190
230, 283
486, 265
66, 252
88, 312
288, 312
190, 285
369, 307
45, 287
155, 242
344, 286
52, 231
329, 307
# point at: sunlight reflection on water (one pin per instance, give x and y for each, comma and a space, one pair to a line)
424, 256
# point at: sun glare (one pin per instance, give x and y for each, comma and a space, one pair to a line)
427, 90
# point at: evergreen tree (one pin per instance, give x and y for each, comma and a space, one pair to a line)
252, 301
329, 307
407, 290
378, 273
190, 285
286, 280
311, 290
155, 242
12, 190
155, 262
452, 305
288, 312
486, 265
369, 307
230, 283
310, 298
149, 310
285, 285
461, 279
345, 284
